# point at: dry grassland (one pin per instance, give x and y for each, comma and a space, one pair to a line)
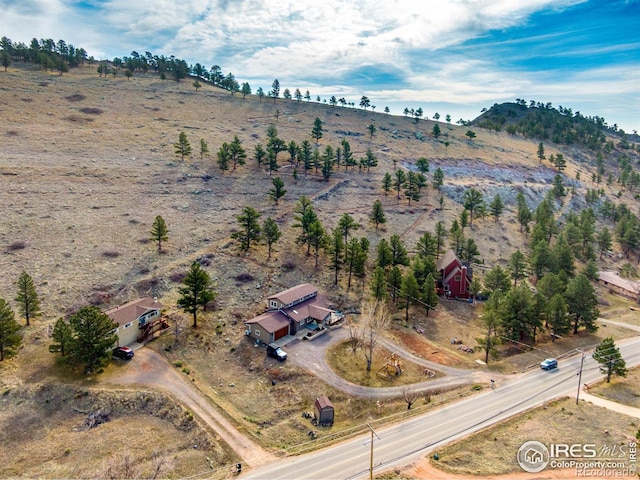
493, 451
88, 162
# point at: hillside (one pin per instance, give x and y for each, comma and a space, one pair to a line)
88, 163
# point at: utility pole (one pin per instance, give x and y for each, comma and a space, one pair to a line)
580, 378
373, 432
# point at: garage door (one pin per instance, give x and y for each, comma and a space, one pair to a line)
284, 331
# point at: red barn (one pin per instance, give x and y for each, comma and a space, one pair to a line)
454, 277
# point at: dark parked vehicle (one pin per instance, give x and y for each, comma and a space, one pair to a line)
549, 364
276, 352
125, 353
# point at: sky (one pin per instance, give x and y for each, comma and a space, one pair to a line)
447, 56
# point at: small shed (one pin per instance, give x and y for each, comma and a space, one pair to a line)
324, 411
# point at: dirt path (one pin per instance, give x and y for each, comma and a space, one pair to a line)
311, 356
149, 368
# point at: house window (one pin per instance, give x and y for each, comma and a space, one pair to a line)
446, 288
127, 325
457, 278
273, 304
257, 332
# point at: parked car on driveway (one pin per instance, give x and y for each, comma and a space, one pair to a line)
549, 364
276, 352
125, 353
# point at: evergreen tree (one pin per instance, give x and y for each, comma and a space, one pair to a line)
259, 153
62, 336
518, 318
278, 191
304, 217
491, 322
472, 201
604, 241
440, 236
582, 303
496, 207
377, 214
249, 228
159, 232
395, 282
557, 316
379, 284
429, 293
399, 181
182, 146
224, 156
610, 359
317, 238
346, 225
27, 297
540, 151
438, 178
398, 251
412, 191
423, 165
497, 280
410, 291
336, 247
316, 131
93, 338
197, 292
426, 246
10, 339
204, 148
517, 266
384, 253
271, 234
237, 153
387, 183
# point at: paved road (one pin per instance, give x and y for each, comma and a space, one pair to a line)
403, 443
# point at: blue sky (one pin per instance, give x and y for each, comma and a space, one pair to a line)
447, 56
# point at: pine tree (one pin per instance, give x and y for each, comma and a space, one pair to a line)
610, 359
379, 284
377, 214
278, 191
27, 298
159, 232
198, 290
10, 339
249, 228
93, 338
204, 148
182, 146
496, 207
62, 337
271, 234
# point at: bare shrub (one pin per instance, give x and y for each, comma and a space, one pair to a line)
77, 119
244, 278
91, 110
288, 266
111, 254
72, 98
18, 245
177, 277
12, 133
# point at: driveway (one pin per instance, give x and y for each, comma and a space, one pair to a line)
310, 355
149, 368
